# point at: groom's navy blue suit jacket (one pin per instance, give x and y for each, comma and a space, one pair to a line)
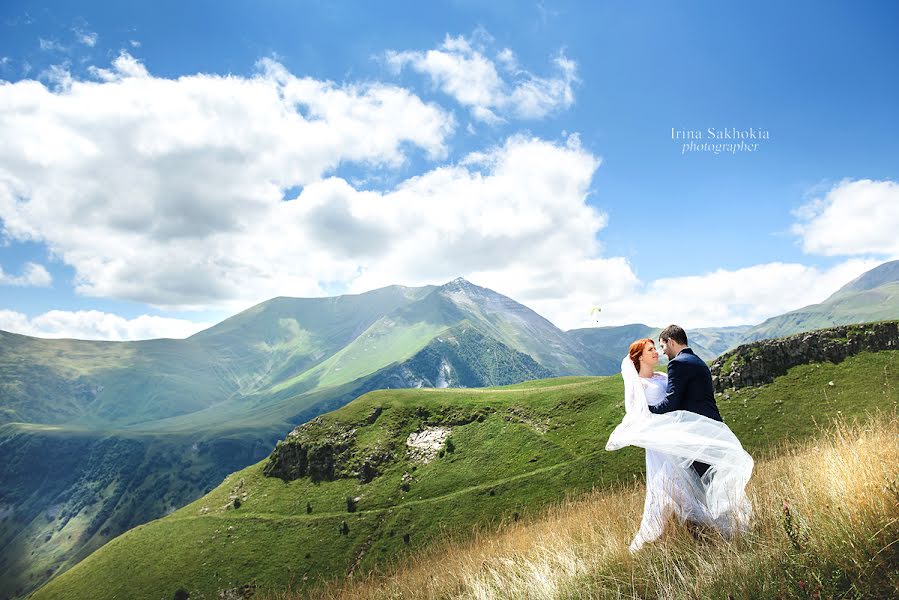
689, 387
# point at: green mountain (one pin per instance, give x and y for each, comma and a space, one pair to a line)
874, 296
101, 436
103, 385
396, 469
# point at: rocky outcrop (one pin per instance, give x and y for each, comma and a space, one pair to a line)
760, 362
319, 449
424, 445
326, 448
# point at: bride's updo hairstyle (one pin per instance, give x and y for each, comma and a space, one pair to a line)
637, 349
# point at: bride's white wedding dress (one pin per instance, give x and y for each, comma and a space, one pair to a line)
673, 441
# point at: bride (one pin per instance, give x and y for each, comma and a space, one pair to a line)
673, 441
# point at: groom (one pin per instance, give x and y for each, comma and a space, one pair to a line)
689, 382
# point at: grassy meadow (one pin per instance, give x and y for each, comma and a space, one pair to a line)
825, 525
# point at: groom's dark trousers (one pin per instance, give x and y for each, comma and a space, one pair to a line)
689, 388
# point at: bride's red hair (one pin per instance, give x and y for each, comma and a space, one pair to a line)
637, 349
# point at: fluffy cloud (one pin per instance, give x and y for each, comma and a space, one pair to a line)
736, 297
169, 192
33, 275
96, 325
853, 218
514, 219
168, 197
491, 89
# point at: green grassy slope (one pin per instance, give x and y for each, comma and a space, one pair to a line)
519, 327
516, 449
281, 362
469, 358
281, 338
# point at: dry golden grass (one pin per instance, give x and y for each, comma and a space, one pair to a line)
825, 524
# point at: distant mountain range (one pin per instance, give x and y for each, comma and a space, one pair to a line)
101, 436
873, 296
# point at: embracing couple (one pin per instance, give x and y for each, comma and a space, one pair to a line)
696, 468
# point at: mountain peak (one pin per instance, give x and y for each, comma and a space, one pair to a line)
880, 275
458, 281
460, 284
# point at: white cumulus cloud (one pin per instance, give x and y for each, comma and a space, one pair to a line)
167, 191
33, 275
853, 218
514, 218
97, 325
491, 89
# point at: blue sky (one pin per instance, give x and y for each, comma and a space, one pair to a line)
697, 237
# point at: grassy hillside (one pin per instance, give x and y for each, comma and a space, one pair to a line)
106, 385
103, 384
825, 524
516, 450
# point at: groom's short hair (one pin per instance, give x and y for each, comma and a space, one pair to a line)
674, 332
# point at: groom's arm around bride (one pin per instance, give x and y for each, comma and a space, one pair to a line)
690, 385
689, 379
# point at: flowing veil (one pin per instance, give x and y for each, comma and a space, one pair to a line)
673, 441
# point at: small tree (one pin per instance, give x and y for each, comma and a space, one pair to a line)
181, 594
308, 508
344, 528
350, 504
450, 446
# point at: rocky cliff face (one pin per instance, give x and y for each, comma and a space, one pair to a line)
326, 448
760, 362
